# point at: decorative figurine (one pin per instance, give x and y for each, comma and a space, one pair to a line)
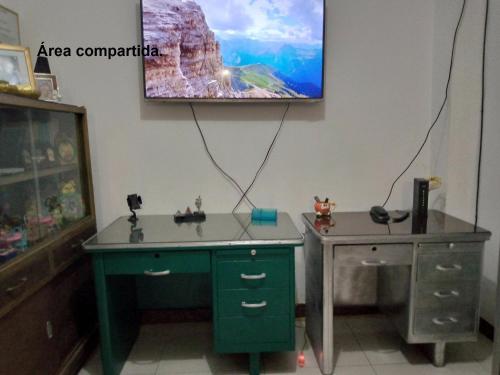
188, 216
55, 209
323, 208
71, 201
65, 149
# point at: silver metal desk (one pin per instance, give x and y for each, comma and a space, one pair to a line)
428, 279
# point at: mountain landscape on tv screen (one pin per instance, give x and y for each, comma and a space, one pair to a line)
233, 49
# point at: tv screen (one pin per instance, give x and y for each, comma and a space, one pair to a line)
233, 50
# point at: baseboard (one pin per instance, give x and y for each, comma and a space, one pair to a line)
80, 354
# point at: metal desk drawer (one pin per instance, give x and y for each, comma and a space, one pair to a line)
373, 255
254, 302
448, 266
157, 263
243, 273
450, 246
447, 295
432, 322
255, 330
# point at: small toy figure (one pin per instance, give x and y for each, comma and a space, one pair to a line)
71, 201
188, 216
323, 208
55, 210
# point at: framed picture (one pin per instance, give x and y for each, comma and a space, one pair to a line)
15, 67
47, 85
9, 27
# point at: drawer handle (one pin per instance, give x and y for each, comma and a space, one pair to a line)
253, 277
157, 274
454, 267
253, 305
451, 293
21, 283
373, 262
443, 321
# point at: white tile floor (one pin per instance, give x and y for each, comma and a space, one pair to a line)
366, 345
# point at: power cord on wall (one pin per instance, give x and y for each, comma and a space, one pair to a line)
225, 174
483, 96
266, 158
445, 100
217, 166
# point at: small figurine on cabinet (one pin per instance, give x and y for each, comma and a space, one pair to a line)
65, 149
71, 201
37, 225
55, 210
323, 208
188, 216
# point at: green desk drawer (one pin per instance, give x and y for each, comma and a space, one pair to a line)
248, 274
255, 330
254, 302
157, 263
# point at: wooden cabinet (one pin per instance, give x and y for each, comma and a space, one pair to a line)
47, 308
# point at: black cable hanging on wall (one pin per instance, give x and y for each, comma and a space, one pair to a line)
244, 193
483, 97
445, 100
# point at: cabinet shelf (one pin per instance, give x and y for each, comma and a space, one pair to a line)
29, 175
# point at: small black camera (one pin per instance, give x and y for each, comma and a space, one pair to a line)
134, 202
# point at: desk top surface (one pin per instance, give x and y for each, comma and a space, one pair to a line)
349, 226
160, 231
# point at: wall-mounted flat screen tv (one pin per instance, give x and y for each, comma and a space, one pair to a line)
234, 50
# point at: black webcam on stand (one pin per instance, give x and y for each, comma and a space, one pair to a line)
134, 202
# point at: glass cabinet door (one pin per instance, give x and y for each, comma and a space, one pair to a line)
43, 177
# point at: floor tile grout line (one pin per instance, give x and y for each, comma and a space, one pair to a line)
359, 344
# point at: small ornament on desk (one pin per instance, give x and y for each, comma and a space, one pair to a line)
323, 208
188, 216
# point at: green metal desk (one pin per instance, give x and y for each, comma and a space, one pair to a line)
251, 267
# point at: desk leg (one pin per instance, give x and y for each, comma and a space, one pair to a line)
319, 300
254, 363
118, 323
328, 288
438, 354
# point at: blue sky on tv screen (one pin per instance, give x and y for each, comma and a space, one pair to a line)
285, 35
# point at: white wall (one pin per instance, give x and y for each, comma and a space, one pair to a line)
454, 151
351, 147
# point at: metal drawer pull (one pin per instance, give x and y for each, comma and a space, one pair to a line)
454, 267
373, 262
253, 277
16, 287
156, 274
443, 321
253, 305
451, 293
